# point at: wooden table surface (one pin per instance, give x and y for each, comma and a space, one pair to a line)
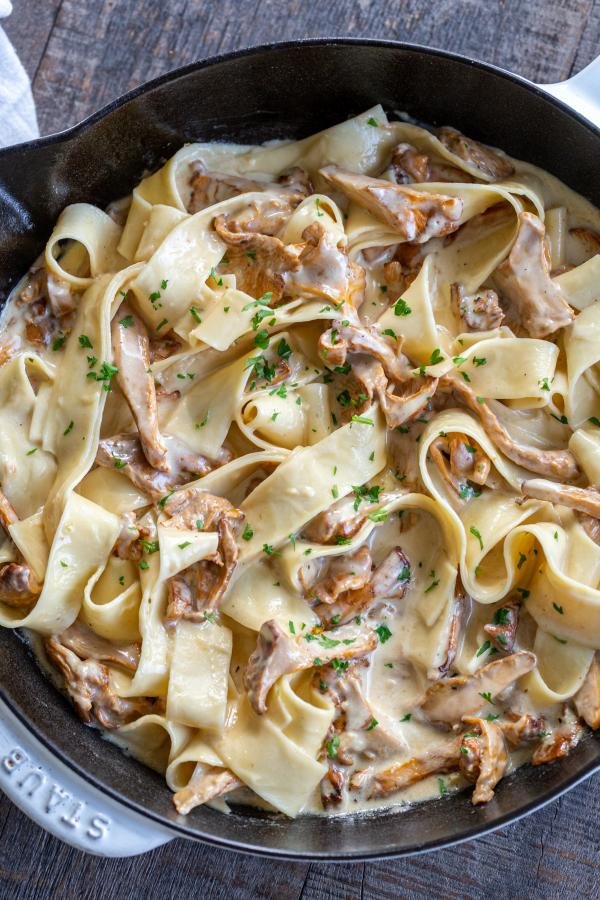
81, 54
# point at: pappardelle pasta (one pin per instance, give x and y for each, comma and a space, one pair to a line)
299, 468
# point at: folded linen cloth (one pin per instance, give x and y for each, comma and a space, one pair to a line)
18, 121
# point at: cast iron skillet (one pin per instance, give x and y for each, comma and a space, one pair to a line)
281, 90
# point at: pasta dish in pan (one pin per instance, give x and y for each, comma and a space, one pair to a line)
299, 467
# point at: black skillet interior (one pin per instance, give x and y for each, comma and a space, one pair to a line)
286, 90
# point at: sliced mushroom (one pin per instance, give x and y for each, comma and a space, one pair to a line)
389, 581
586, 500
337, 342
206, 784
491, 163
437, 760
124, 453
202, 585
358, 733
480, 311
350, 571
417, 216
209, 187
587, 698
132, 357
557, 463
483, 757
408, 165
8, 515
86, 644
460, 611
536, 303
563, 737
449, 699
88, 684
522, 729
502, 631
259, 261
279, 653
324, 270
19, 588
403, 404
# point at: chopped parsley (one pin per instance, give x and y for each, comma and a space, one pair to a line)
406, 717
487, 696
283, 349
436, 357
262, 339
363, 420
332, 746
164, 499
149, 546
59, 342
442, 787
195, 314
184, 544
270, 550
522, 560
69, 428
144, 564
372, 122
593, 419
479, 360
372, 724
558, 609
119, 463
401, 308
384, 633
84, 341
31, 452
484, 648
248, 532
501, 616
476, 534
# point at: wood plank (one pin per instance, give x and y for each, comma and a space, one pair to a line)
83, 53
29, 29
96, 53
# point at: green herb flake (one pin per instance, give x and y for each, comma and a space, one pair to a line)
476, 534
59, 342
69, 428
384, 633
248, 532
484, 648
401, 308
372, 724
332, 747
559, 609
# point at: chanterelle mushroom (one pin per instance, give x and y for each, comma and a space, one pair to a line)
324, 270
350, 571
535, 302
561, 739
279, 653
88, 685
587, 698
503, 630
86, 644
449, 699
586, 500
389, 581
206, 784
337, 342
132, 357
558, 463
358, 732
124, 452
489, 162
259, 261
202, 585
416, 215
8, 515
436, 760
483, 757
480, 311
19, 588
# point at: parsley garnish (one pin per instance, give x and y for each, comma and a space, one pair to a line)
401, 308
384, 633
487, 696
476, 534
363, 420
69, 428
247, 533
483, 649
332, 747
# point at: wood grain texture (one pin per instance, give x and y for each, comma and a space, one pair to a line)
83, 53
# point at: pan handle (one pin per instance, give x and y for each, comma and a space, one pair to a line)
63, 803
581, 92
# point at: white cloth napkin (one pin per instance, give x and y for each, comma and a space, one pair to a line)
18, 121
